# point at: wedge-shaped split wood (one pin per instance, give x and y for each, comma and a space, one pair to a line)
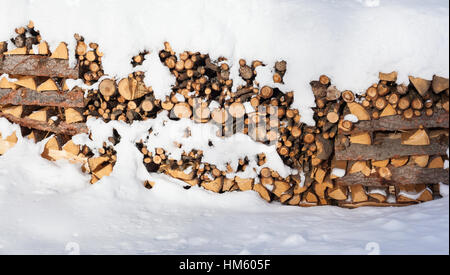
7, 143
103, 171
359, 111
421, 160
338, 192
422, 85
377, 194
436, 162
280, 187
39, 115
12, 111
398, 162
43, 48
419, 137
73, 116
388, 111
439, 84
262, 191
391, 77
244, 184
61, 52
27, 82
362, 138
214, 185
48, 85
358, 193
6, 84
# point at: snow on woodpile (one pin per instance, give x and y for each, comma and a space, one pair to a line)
350, 41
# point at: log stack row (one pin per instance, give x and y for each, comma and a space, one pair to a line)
128, 99
89, 59
391, 142
34, 95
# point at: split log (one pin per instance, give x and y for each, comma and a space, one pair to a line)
24, 96
359, 111
439, 84
422, 85
7, 143
338, 192
409, 174
48, 85
37, 65
60, 52
61, 128
439, 119
262, 191
358, 193
415, 137
391, 77
387, 147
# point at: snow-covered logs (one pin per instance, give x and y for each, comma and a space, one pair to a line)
385, 147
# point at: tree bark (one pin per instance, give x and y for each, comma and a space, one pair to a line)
62, 128
37, 65
24, 96
410, 174
388, 148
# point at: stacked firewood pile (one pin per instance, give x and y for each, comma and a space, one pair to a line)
352, 157
126, 100
386, 146
398, 144
89, 60
34, 95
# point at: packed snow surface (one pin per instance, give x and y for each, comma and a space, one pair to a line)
49, 207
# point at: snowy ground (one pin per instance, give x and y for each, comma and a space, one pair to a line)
49, 207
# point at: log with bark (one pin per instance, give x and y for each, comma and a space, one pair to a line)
387, 147
62, 128
25, 96
409, 174
37, 65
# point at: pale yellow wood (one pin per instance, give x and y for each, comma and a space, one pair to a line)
43, 48
40, 115
16, 51
359, 111
388, 111
61, 52
5, 84
73, 116
362, 138
27, 82
15, 111
48, 85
